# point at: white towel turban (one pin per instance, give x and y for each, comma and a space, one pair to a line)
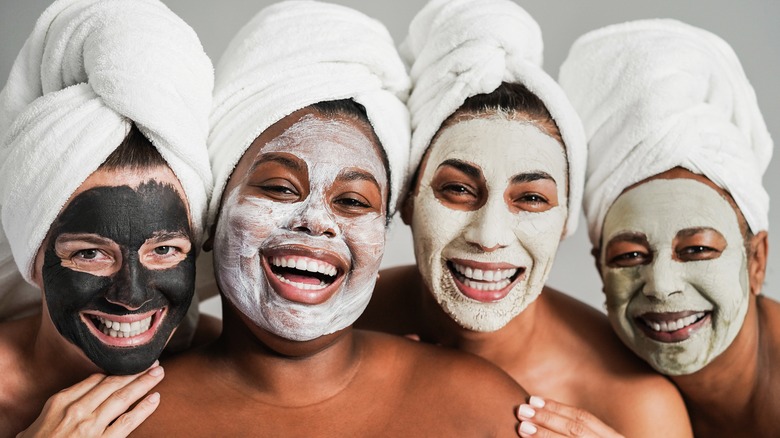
89, 69
657, 94
461, 48
298, 53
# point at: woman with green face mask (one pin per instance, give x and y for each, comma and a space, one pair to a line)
678, 215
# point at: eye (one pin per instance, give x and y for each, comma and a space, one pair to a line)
352, 202
87, 254
629, 259
627, 253
278, 189
693, 253
457, 189
165, 250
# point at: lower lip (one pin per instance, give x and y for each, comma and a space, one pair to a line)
139, 339
675, 336
292, 293
483, 296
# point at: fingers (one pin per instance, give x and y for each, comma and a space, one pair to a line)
120, 399
129, 421
92, 399
548, 418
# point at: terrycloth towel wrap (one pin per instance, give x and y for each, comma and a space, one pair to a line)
461, 48
657, 94
298, 53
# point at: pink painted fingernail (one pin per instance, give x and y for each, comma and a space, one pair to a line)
156, 371
154, 398
527, 428
536, 402
526, 411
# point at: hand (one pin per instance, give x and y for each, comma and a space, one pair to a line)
98, 406
546, 419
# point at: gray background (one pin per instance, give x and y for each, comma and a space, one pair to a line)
751, 27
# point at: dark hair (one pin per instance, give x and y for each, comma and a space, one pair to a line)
510, 97
135, 152
350, 108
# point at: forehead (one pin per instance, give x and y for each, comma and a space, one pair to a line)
659, 208
495, 142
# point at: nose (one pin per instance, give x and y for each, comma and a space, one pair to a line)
490, 229
661, 278
129, 286
314, 218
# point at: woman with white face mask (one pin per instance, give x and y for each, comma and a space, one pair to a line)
678, 215
309, 144
498, 158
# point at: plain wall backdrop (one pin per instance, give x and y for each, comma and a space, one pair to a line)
751, 27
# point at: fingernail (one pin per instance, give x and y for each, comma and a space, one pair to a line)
156, 371
154, 398
536, 402
526, 411
528, 428
157, 362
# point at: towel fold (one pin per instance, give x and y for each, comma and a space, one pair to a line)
297, 53
658, 94
89, 69
461, 48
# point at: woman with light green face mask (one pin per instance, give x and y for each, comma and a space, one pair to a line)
678, 215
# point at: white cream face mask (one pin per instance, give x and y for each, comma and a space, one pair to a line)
486, 265
304, 269
682, 305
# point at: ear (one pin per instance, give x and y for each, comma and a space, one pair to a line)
208, 245
407, 208
759, 248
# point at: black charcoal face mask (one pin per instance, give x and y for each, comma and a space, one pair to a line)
121, 321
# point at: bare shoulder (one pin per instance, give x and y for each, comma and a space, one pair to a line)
635, 395
391, 309
458, 393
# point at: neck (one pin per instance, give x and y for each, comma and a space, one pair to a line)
505, 347
287, 373
722, 392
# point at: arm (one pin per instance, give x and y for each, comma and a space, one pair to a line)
98, 406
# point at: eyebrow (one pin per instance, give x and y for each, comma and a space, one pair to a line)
84, 237
531, 177
688, 232
160, 236
358, 175
277, 158
463, 166
637, 238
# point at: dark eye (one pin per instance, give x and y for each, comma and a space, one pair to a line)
88, 254
457, 189
533, 198
628, 259
352, 202
164, 250
697, 252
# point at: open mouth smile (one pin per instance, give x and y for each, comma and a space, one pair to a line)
484, 282
304, 276
124, 330
672, 327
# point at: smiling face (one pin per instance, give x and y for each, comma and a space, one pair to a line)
118, 267
488, 215
301, 231
675, 273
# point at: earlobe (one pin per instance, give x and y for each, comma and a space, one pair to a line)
759, 249
208, 245
407, 208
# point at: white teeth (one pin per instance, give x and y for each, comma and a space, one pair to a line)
117, 329
305, 265
486, 286
304, 286
497, 275
671, 326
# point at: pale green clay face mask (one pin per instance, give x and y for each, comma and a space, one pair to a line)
676, 312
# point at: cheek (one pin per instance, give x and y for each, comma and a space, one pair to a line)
540, 233
365, 238
433, 224
620, 284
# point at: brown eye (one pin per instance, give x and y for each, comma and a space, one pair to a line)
278, 189
696, 244
88, 254
626, 254
536, 196
459, 189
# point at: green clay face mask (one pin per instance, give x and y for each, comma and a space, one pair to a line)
675, 273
